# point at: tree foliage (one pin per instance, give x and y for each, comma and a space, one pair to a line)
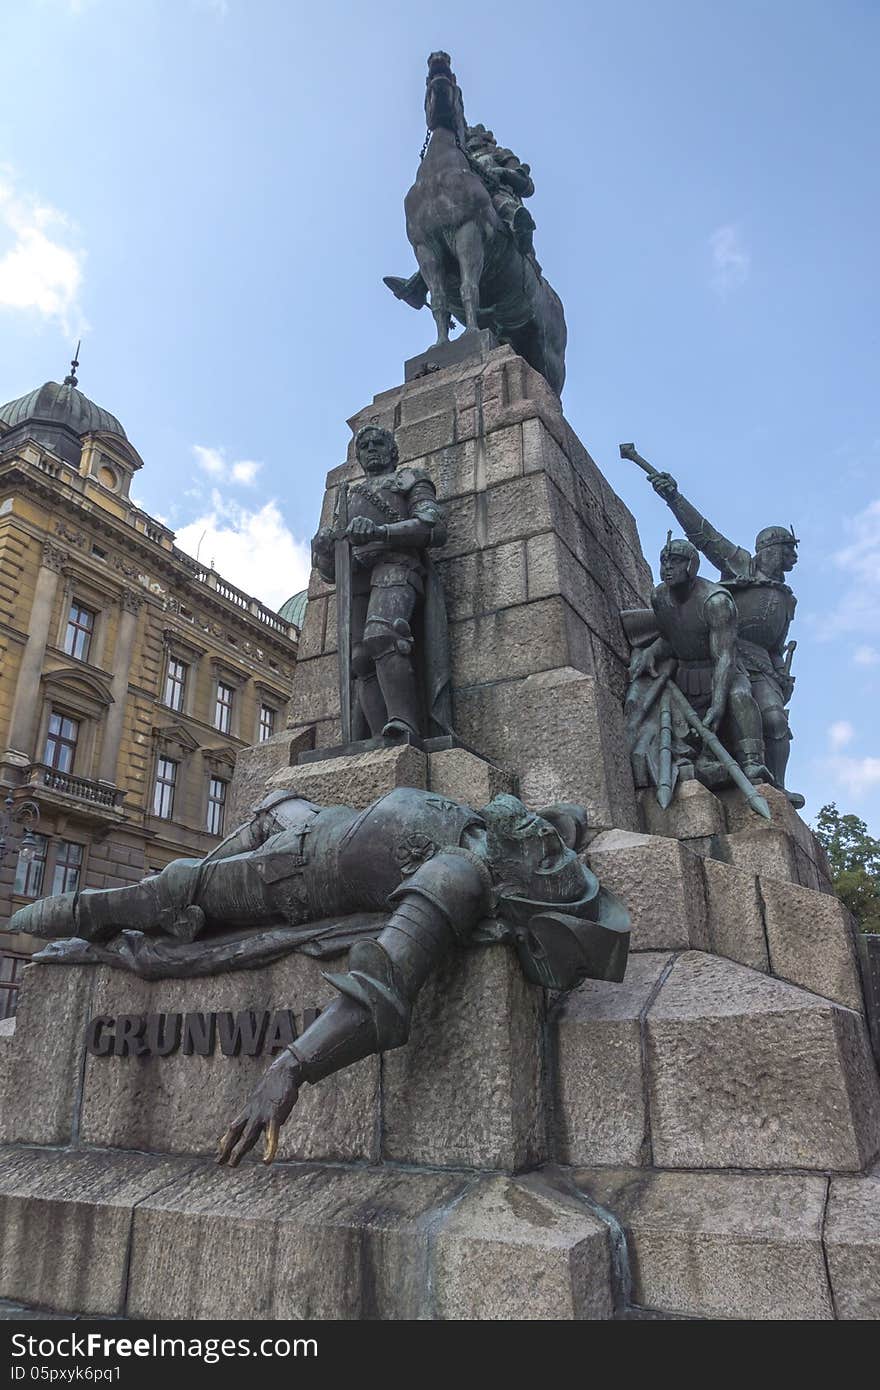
854, 856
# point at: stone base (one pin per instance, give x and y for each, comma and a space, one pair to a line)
129, 1235
475, 345
466, 1092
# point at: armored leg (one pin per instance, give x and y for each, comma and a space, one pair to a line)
777, 734
444, 898
389, 642
161, 903
367, 688
747, 740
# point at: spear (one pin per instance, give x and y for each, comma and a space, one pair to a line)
665, 782
714, 744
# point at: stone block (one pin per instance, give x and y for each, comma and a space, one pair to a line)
484, 581
552, 569
748, 1072
65, 1223
661, 883
519, 1249
600, 1113
735, 915
466, 1089
693, 813
460, 775
425, 436
304, 1243
41, 1079
770, 853
517, 509
311, 637
180, 1104
355, 779
562, 733
315, 693
720, 1245
811, 942
510, 642
255, 765
852, 1245
452, 469
503, 455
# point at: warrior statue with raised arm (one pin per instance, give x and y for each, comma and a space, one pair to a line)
765, 608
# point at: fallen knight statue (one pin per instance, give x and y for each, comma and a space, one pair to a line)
400, 883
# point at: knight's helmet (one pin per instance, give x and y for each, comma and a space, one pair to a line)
775, 535
681, 549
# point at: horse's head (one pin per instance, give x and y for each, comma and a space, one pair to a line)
444, 108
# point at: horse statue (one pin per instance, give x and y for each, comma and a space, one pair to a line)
476, 265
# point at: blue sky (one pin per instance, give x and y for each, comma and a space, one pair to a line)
210, 192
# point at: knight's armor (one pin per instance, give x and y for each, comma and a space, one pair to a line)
387, 581
686, 629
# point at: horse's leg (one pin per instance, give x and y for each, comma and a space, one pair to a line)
469, 252
431, 267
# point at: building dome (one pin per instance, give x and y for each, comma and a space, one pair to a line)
294, 610
59, 418
52, 404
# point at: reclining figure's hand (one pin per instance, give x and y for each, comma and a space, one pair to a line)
267, 1109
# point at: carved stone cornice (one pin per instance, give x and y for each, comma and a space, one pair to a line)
131, 601
54, 558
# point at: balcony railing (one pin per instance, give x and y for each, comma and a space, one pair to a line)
102, 794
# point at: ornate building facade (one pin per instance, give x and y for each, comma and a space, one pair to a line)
129, 674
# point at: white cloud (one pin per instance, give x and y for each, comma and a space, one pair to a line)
214, 462
840, 734
859, 608
866, 656
255, 550
731, 261
855, 775
41, 270
245, 471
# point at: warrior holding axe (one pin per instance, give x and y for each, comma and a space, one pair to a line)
765, 608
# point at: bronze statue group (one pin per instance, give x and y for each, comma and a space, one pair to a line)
415, 875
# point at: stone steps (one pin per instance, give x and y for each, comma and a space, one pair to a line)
124, 1234
746, 1246
698, 1062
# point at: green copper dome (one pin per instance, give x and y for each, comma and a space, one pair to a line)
294, 610
59, 405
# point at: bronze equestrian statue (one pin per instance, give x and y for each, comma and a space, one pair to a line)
472, 237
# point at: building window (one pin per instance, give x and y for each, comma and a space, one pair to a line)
223, 708
68, 866
267, 722
216, 806
163, 793
29, 873
80, 629
175, 683
61, 740
11, 967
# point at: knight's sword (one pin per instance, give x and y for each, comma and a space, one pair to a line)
343, 612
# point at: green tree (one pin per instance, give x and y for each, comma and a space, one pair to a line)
854, 856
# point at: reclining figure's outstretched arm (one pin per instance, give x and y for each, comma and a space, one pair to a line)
442, 901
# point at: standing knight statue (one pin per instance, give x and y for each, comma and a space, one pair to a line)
392, 519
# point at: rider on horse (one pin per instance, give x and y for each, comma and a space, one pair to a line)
508, 180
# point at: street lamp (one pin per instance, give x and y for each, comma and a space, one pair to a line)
26, 812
